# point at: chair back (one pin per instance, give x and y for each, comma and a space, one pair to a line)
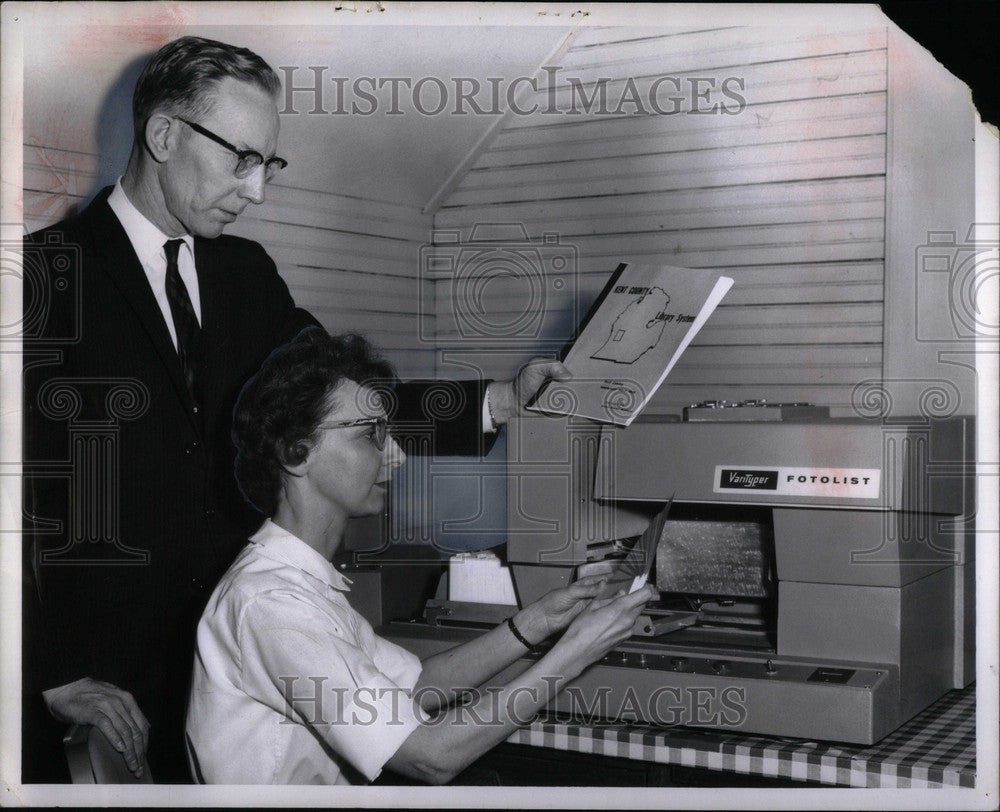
94, 760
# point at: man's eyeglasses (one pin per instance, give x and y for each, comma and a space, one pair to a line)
380, 428
248, 159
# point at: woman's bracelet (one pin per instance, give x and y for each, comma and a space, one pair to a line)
520, 637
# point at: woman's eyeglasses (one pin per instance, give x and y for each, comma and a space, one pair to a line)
380, 428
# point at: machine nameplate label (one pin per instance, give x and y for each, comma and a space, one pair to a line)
837, 483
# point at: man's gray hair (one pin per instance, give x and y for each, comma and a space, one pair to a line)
181, 75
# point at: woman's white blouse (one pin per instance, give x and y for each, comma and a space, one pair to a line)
291, 685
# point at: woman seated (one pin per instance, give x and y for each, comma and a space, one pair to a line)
291, 685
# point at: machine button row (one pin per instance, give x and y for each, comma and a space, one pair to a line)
684, 664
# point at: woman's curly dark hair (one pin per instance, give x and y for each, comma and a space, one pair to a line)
279, 409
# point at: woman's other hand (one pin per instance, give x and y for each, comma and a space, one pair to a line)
604, 623
555, 610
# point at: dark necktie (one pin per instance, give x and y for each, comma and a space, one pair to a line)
185, 321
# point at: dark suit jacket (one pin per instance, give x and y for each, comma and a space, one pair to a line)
132, 511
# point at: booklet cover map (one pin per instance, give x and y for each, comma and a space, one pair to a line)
631, 339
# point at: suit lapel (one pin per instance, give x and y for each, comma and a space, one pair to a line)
118, 260
211, 284
217, 314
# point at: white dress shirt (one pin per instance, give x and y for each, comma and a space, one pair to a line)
278, 628
147, 241
488, 425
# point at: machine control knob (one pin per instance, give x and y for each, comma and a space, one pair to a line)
721, 666
642, 659
678, 663
770, 668
624, 656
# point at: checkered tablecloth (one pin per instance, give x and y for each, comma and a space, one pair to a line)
937, 748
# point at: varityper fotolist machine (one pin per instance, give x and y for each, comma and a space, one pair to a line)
815, 574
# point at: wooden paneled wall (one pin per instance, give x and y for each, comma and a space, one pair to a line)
350, 261
786, 195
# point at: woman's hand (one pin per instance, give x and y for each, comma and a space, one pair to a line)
605, 623
554, 611
437, 752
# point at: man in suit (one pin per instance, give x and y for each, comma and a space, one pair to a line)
132, 378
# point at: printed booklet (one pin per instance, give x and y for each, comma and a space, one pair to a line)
630, 340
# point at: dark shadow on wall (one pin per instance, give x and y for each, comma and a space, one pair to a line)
114, 128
